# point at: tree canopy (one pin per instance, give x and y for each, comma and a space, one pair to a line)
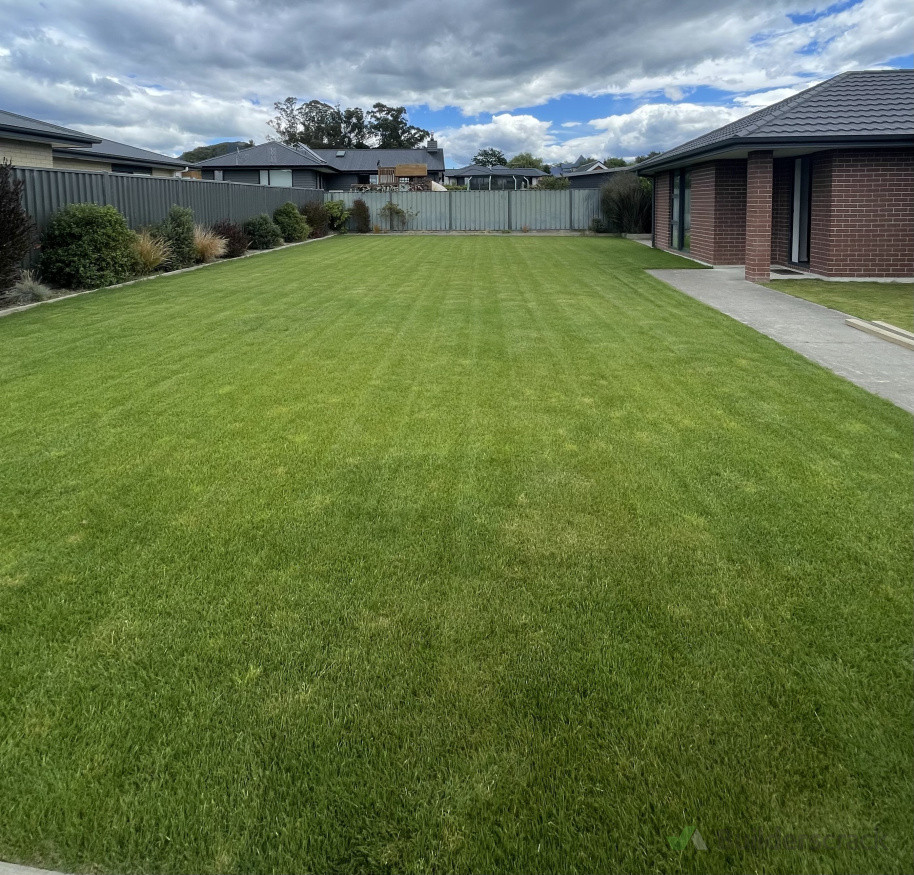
490, 157
527, 159
321, 126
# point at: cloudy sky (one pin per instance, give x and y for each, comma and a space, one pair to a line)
557, 79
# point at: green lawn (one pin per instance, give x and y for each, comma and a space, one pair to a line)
476, 554
886, 302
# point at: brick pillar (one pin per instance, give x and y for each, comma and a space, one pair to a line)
758, 216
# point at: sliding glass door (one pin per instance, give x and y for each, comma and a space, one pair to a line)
681, 210
799, 214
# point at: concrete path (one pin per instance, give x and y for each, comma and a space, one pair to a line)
13, 869
812, 330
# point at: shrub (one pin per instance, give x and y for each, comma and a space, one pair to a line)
17, 230
361, 216
339, 216
396, 216
291, 223
598, 226
552, 183
263, 231
626, 204
28, 289
208, 245
152, 252
86, 246
318, 217
178, 231
236, 241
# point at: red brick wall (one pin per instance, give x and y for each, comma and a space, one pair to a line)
662, 210
820, 213
729, 212
863, 213
759, 176
702, 214
781, 209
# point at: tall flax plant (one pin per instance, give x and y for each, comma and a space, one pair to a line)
626, 203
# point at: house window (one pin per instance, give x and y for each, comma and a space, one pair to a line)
681, 210
364, 179
800, 210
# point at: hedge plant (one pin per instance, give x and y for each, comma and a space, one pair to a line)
177, 229
237, 242
291, 223
17, 231
86, 246
263, 231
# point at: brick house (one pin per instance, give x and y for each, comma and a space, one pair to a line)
822, 182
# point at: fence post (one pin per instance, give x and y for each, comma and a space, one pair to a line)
450, 211
510, 223
570, 208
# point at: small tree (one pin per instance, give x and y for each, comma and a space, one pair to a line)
490, 158
626, 203
361, 216
17, 230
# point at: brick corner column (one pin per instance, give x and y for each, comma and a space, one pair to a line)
759, 172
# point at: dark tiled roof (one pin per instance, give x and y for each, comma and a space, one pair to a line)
497, 170
121, 153
266, 155
866, 104
13, 123
368, 160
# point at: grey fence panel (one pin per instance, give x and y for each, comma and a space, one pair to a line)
145, 200
479, 211
585, 207
540, 210
427, 210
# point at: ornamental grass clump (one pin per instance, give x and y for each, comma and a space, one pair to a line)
208, 245
152, 251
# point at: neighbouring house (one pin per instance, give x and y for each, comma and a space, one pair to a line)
477, 177
822, 182
28, 142
326, 169
579, 165
107, 156
594, 177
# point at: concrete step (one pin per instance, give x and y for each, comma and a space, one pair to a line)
883, 331
889, 327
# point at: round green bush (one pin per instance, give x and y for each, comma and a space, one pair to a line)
86, 246
292, 224
263, 231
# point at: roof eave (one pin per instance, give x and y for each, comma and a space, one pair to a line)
659, 164
53, 139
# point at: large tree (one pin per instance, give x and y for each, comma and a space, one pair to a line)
527, 159
615, 162
322, 126
390, 128
490, 157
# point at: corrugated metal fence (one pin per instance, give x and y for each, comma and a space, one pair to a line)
569, 210
145, 200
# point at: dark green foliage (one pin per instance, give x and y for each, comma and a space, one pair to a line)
318, 217
320, 125
201, 153
17, 231
291, 223
361, 216
527, 159
86, 246
490, 158
339, 216
237, 241
626, 204
177, 230
263, 231
598, 226
552, 183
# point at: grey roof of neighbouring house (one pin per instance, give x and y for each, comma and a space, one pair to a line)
497, 170
121, 153
13, 123
368, 160
861, 105
266, 155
